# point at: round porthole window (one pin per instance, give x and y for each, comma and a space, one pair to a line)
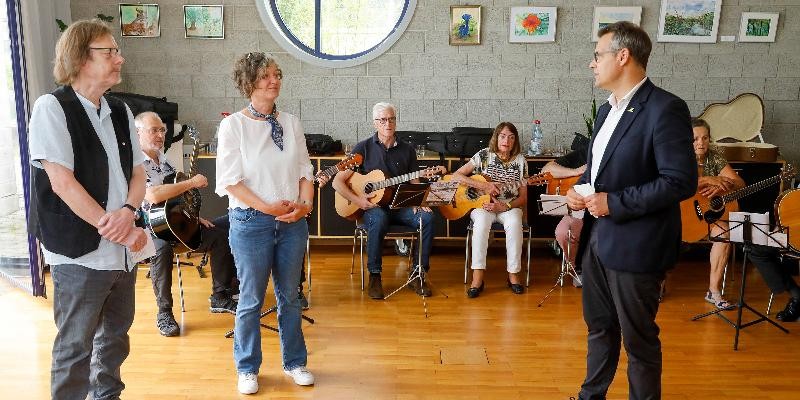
336, 33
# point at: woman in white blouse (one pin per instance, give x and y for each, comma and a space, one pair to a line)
264, 169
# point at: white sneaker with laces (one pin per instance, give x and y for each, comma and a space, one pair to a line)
248, 383
301, 375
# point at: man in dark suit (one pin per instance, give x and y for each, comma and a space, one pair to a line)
641, 165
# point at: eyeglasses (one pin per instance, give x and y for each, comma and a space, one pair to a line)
384, 121
597, 54
154, 130
108, 51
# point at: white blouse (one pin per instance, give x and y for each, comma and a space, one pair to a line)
246, 153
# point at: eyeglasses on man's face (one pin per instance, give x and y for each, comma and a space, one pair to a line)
107, 51
155, 130
597, 54
384, 121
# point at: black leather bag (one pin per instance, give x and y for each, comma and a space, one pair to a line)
322, 145
168, 111
463, 141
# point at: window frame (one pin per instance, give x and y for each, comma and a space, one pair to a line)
268, 11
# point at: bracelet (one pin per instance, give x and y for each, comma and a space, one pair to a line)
130, 207
508, 204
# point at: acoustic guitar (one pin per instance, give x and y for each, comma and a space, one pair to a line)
177, 220
560, 186
376, 183
350, 161
787, 214
467, 198
698, 211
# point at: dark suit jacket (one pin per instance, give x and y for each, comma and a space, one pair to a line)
648, 167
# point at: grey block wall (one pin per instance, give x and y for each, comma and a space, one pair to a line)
437, 86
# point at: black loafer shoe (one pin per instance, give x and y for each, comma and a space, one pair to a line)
474, 292
791, 312
517, 288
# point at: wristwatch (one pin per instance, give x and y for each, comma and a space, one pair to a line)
508, 204
130, 207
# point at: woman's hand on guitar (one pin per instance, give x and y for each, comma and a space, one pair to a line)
322, 179
710, 186
490, 188
206, 223
495, 206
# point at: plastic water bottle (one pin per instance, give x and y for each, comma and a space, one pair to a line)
535, 148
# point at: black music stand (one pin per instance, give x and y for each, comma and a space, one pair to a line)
421, 195
748, 230
556, 205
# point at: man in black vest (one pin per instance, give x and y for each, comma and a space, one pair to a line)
86, 185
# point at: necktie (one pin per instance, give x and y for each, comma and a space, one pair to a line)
277, 130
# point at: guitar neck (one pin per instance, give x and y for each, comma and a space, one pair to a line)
748, 190
195, 150
396, 180
330, 171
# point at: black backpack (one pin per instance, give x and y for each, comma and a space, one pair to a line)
322, 145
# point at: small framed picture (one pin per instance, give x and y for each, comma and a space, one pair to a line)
465, 25
203, 22
532, 24
758, 27
604, 16
689, 21
139, 20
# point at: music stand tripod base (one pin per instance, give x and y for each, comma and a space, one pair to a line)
266, 312
747, 226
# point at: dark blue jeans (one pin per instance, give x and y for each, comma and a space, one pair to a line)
377, 220
93, 311
262, 246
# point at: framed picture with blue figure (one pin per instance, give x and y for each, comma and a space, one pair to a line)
758, 27
465, 25
532, 24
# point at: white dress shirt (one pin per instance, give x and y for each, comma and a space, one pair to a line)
246, 153
609, 125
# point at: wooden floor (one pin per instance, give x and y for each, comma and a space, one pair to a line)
498, 346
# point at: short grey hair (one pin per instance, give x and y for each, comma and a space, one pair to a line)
139, 119
627, 35
380, 107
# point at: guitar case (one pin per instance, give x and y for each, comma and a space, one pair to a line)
734, 127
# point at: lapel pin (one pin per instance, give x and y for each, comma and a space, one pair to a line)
630, 109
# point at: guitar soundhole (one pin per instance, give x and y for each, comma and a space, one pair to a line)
368, 188
472, 194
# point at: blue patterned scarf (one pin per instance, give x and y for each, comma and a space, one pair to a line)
277, 130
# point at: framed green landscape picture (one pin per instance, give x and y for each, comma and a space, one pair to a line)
758, 27
690, 21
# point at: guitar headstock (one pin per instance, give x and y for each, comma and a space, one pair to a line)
787, 172
433, 173
539, 179
353, 160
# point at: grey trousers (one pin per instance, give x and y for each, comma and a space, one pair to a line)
620, 306
93, 311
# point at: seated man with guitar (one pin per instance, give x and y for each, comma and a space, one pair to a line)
393, 157
565, 171
716, 177
501, 163
213, 235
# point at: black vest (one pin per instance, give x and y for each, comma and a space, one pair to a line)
59, 229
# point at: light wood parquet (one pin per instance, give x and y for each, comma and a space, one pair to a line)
498, 346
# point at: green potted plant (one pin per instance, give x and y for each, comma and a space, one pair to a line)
590, 119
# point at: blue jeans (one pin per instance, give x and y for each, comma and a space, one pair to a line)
93, 311
377, 220
261, 246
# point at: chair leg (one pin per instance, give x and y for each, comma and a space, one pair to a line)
528, 265
769, 304
466, 256
353, 260
361, 236
180, 281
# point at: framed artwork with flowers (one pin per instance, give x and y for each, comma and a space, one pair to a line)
604, 16
532, 24
465, 25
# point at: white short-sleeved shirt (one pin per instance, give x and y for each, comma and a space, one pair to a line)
246, 153
50, 140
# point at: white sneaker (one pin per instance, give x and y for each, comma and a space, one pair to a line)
248, 383
301, 376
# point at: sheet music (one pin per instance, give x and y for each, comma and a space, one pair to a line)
553, 204
441, 193
759, 225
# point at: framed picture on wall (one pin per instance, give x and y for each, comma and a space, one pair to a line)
203, 21
604, 16
139, 20
532, 24
758, 27
689, 21
465, 25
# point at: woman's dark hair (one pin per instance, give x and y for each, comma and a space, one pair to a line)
499, 128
